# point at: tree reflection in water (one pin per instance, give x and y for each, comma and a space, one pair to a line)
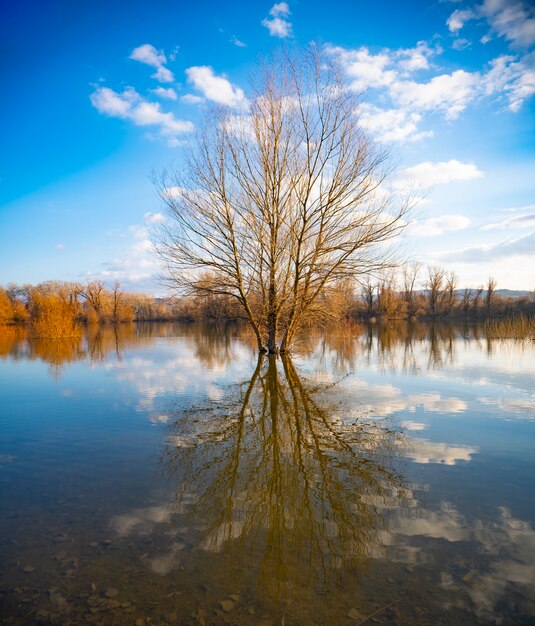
287, 489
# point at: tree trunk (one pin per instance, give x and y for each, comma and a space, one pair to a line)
272, 316
272, 346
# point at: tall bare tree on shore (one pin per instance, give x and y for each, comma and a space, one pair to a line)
368, 294
281, 200
449, 296
410, 275
434, 287
490, 295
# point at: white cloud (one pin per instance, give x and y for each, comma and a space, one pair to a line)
391, 72
428, 174
278, 23
392, 124
107, 101
150, 56
383, 69
460, 43
458, 19
215, 88
413, 59
136, 264
191, 98
442, 225
278, 27
280, 9
237, 42
512, 20
60, 246
517, 221
163, 75
521, 246
154, 218
450, 93
167, 93
513, 77
364, 68
129, 105
515, 209
150, 114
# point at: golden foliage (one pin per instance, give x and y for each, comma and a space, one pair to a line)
53, 318
6, 312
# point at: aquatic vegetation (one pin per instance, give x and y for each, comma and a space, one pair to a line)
515, 327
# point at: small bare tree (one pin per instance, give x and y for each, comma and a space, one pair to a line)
94, 293
448, 296
466, 300
434, 285
410, 275
116, 300
368, 295
282, 201
477, 298
489, 296
389, 303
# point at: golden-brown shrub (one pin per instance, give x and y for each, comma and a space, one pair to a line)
6, 310
20, 312
53, 317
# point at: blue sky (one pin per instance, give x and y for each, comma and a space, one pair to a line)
99, 95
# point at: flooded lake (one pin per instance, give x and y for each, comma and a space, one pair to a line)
164, 474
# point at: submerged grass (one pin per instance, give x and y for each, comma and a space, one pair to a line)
516, 327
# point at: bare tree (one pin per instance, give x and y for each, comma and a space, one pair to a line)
410, 274
389, 303
434, 287
477, 297
448, 296
489, 296
94, 293
281, 201
368, 294
467, 299
116, 298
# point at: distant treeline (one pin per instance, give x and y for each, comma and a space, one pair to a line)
436, 295
60, 308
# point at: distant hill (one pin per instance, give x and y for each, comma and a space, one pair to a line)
513, 293
505, 293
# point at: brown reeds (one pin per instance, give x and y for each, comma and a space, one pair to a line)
514, 327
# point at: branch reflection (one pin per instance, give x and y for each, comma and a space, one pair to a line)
282, 484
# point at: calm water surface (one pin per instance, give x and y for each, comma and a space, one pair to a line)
163, 474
